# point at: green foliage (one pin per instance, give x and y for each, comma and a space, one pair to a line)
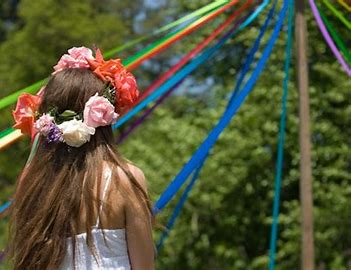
49, 29
226, 221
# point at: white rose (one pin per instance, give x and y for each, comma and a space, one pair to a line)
75, 133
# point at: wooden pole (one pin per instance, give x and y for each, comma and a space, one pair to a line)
306, 198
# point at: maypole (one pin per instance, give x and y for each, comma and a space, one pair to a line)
306, 198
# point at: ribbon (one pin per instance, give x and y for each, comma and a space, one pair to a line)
176, 67
10, 138
6, 132
137, 59
204, 148
338, 40
328, 38
169, 26
188, 189
195, 51
281, 142
345, 5
338, 14
4, 206
179, 207
251, 56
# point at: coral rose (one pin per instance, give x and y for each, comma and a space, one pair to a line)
27, 106
126, 90
108, 70
123, 81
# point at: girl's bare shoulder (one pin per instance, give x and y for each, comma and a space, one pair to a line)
123, 181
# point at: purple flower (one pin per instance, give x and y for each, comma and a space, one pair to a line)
44, 124
54, 134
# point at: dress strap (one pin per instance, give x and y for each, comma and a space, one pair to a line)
107, 175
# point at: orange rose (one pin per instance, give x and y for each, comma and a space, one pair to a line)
122, 80
105, 70
126, 90
27, 106
97, 61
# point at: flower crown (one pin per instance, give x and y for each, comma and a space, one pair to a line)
76, 128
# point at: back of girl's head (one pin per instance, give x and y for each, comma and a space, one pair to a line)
70, 89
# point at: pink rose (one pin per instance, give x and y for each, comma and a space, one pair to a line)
76, 58
99, 111
81, 53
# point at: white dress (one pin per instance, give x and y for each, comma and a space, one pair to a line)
114, 255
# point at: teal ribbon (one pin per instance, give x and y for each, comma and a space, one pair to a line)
281, 141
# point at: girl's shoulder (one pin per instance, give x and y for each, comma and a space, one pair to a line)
121, 178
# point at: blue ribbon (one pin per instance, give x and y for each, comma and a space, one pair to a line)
4, 206
281, 140
202, 151
179, 207
247, 64
252, 53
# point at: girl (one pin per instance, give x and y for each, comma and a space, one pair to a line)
77, 191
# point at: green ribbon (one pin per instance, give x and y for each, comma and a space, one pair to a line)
6, 101
169, 26
338, 14
6, 132
338, 40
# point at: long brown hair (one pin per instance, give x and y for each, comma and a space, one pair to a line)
60, 179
